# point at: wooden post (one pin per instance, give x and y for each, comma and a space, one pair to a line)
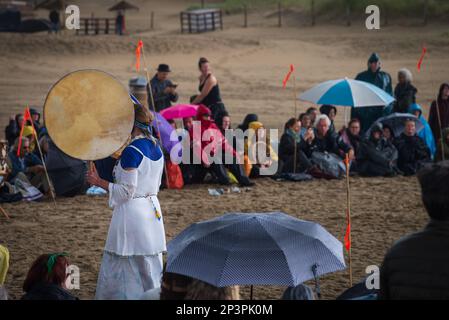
86, 26
152, 20
312, 9
213, 20
181, 17
426, 12
348, 13
348, 217
189, 19
221, 19
279, 14
202, 4
106, 30
97, 25
245, 16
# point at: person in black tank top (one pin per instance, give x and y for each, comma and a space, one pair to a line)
209, 90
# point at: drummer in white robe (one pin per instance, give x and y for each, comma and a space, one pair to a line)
132, 258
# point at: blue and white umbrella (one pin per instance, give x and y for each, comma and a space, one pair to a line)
255, 249
347, 92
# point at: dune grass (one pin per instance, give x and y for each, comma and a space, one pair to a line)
435, 8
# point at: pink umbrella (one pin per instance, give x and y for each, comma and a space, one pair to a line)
179, 111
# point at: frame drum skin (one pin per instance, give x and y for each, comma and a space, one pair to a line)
89, 114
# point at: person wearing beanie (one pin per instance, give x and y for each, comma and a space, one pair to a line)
382, 80
132, 258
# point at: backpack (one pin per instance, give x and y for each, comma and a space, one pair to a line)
331, 166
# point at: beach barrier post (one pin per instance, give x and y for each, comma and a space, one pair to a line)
245, 16
152, 20
312, 9
279, 14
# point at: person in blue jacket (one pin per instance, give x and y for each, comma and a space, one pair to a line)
426, 133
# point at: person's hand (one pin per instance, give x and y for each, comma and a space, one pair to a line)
169, 90
36, 169
309, 136
93, 178
351, 155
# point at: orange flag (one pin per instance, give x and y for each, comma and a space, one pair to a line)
26, 117
138, 53
348, 236
287, 77
424, 50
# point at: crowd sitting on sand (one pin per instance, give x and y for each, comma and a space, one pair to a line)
310, 147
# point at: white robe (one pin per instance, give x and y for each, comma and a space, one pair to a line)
132, 260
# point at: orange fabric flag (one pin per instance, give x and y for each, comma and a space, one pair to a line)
348, 236
424, 50
138, 53
26, 117
287, 77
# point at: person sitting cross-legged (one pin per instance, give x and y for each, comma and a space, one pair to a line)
413, 151
26, 166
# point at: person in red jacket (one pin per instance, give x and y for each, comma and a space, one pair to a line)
215, 152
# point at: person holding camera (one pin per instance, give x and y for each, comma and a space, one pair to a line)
164, 91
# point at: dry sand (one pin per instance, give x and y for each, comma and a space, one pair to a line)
250, 64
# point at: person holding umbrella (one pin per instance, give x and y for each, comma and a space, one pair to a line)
382, 80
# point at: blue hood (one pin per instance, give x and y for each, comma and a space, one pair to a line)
415, 107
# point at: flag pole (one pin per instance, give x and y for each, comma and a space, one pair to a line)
295, 116
348, 219
150, 93
50, 185
4, 213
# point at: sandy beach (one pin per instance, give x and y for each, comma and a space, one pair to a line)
250, 64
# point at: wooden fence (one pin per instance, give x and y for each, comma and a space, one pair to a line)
202, 20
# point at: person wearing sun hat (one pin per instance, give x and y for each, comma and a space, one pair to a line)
164, 91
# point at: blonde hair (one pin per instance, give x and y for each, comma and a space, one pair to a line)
200, 290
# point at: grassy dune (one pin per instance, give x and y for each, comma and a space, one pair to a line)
399, 8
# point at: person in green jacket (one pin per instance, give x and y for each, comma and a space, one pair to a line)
381, 79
